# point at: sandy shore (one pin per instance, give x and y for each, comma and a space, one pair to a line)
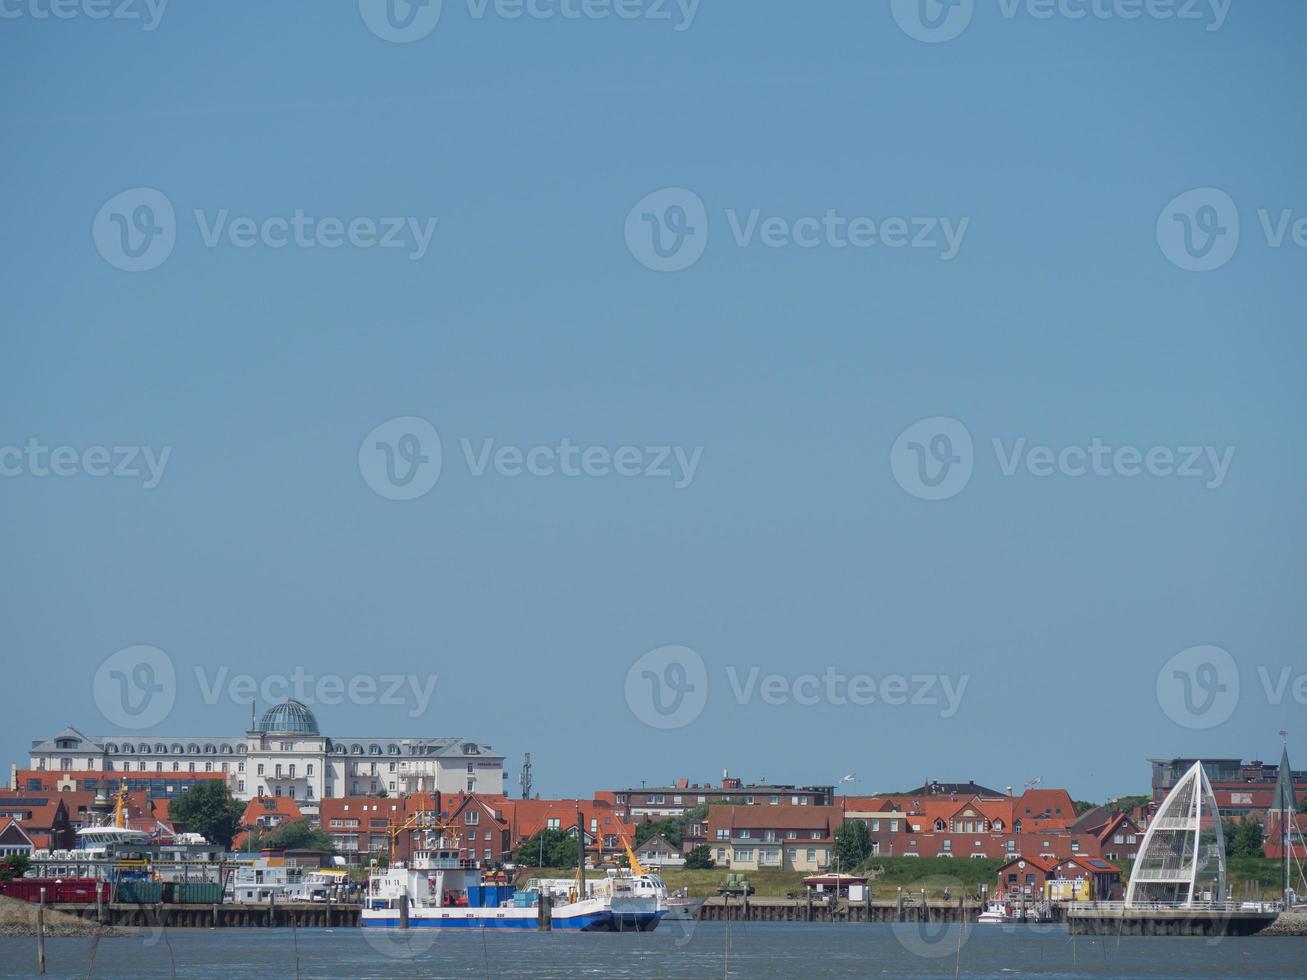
19, 919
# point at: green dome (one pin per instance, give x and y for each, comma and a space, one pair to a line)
289, 717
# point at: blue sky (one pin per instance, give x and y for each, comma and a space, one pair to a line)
529, 318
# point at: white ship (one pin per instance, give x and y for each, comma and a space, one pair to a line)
440, 889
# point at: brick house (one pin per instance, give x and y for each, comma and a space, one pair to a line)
784, 837
265, 813
659, 852
44, 817
604, 824
657, 802
1024, 877
359, 825
483, 826
14, 839
1084, 880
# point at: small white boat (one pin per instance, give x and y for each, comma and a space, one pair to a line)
996, 913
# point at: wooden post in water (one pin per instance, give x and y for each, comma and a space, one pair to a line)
40, 935
544, 913
403, 910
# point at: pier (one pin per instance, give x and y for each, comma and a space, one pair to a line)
820, 909
229, 915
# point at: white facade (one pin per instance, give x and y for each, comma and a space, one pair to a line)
286, 755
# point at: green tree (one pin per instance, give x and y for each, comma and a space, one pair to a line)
852, 844
672, 828
14, 866
207, 808
549, 848
1243, 839
700, 857
296, 835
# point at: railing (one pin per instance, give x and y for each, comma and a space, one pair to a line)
1119, 907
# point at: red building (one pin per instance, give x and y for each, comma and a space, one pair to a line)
1024, 877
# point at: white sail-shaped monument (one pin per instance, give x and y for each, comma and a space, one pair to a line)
1182, 860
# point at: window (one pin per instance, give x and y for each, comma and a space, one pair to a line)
486, 854
812, 854
472, 817
553, 823
309, 769
723, 833
260, 772
744, 834
948, 845
773, 801
1075, 846
471, 768
875, 826
748, 801
893, 826
744, 854
721, 855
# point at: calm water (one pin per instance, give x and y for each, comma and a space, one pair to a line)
691, 950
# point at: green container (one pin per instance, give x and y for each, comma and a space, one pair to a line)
199, 893
142, 892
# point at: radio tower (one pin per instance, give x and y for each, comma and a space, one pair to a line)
525, 778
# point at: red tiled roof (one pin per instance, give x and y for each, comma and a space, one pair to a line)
782, 817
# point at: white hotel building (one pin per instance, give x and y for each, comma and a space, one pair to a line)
286, 755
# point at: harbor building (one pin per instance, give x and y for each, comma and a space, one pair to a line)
659, 802
284, 753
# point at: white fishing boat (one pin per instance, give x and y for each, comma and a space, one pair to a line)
440, 889
996, 913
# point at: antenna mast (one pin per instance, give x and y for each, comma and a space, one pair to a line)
525, 778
